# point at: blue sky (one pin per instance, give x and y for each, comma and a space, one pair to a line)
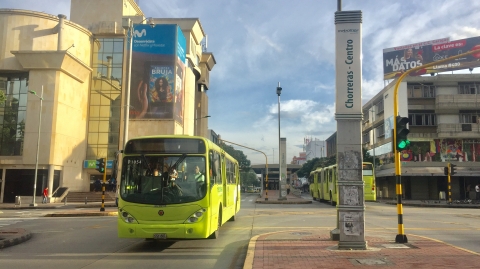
258, 43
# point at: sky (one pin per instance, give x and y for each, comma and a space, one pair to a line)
260, 43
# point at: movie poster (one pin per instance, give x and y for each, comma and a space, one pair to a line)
156, 87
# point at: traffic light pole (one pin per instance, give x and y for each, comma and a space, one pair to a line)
104, 183
449, 183
401, 237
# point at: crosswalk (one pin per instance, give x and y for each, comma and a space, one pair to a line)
6, 222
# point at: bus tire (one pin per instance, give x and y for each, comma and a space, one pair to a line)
313, 196
215, 234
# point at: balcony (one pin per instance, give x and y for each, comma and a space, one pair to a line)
447, 103
459, 130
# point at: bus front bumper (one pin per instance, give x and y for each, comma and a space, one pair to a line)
162, 231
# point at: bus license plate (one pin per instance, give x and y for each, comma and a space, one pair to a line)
159, 236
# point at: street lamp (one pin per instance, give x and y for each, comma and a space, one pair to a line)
279, 91
38, 145
127, 24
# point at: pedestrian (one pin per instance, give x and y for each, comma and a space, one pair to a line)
288, 189
97, 185
477, 193
111, 184
45, 195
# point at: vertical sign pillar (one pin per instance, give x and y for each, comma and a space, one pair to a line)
283, 169
348, 113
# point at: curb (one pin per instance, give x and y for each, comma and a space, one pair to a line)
82, 214
435, 205
283, 202
11, 238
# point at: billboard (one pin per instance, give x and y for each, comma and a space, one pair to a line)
158, 70
399, 59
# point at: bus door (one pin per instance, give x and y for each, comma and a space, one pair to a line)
224, 180
230, 183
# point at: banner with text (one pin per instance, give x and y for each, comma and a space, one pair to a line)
399, 59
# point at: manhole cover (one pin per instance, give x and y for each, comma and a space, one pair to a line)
300, 233
368, 262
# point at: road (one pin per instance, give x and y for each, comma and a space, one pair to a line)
91, 242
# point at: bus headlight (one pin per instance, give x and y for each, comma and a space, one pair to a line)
127, 217
197, 216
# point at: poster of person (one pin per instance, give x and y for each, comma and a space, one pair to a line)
154, 82
398, 60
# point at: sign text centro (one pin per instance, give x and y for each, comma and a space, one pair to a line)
348, 68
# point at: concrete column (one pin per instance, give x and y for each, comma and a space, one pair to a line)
51, 172
283, 168
348, 113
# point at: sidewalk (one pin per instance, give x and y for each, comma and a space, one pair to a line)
293, 198
313, 249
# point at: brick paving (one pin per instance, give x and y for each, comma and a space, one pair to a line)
314, 249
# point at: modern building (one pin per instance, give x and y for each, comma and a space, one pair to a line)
315, 148
444, 114
69, 87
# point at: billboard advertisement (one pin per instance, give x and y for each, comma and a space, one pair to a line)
399, 59
158, 57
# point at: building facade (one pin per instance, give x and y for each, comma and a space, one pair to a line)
315, 148
65, 83
444, 128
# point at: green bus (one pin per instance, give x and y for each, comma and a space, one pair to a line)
176, 187
323, 183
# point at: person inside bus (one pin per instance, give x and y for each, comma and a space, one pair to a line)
173, 187
199, 179
197, 176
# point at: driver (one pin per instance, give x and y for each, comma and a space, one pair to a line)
174, 188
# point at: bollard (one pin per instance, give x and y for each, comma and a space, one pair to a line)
65, 201
85, 200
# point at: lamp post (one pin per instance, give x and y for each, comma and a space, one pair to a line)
127, 24
279, 92
38, 145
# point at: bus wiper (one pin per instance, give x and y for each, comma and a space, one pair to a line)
146, 164
174, 166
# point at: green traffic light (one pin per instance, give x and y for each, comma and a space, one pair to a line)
403, 144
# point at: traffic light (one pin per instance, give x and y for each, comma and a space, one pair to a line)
452, 169
445, 170
100, 165
402, 132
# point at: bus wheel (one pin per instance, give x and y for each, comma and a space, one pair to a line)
215, 234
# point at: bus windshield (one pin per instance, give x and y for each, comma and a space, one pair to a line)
155, 179
367, 169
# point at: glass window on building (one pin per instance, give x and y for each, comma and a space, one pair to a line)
469, 88
422, 118
13, 113
105, 98
469, 116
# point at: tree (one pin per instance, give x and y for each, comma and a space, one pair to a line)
2, 97
369, 158
237, 154
249, 178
